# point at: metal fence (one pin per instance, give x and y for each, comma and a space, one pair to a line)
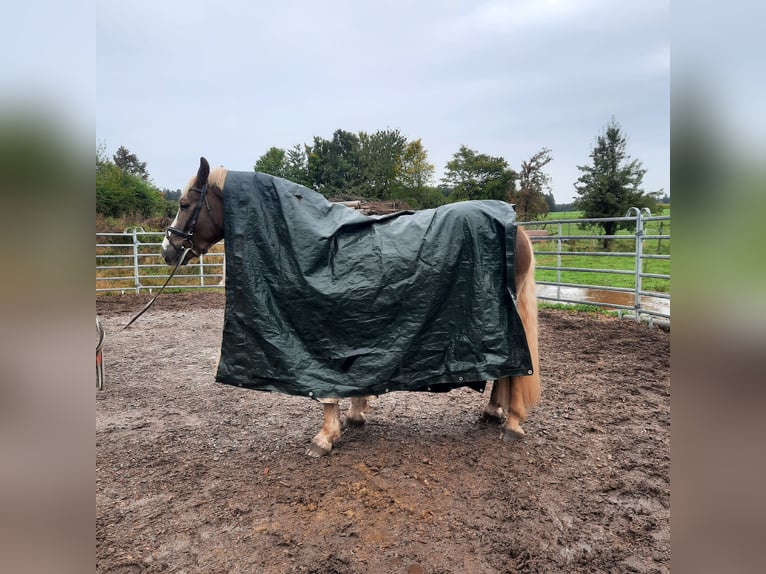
131, 262
556, 245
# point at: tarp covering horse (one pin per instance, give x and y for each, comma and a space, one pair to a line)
322, 301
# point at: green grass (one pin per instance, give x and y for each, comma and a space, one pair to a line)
625, 263
604, 279
651, 227
576, 308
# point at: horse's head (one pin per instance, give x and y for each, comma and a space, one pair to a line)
199, 222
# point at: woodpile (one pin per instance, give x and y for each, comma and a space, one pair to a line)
371, 207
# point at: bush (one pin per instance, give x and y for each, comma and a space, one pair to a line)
119, 193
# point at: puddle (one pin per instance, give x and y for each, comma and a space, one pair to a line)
584, 295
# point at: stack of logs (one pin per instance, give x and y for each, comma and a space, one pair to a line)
370, 207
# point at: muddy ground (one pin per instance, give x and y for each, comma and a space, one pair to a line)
194, 476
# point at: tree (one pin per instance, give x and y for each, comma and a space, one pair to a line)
171, 195
416, 171
125, 191
129, 163
272, 162
612, 183
551, 201
101, 153
414, 176
478, 176
296, 165
119, 193
361, 164
290, 164
334, 165
530, 201
380, 156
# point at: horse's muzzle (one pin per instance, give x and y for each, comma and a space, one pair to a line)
170, 253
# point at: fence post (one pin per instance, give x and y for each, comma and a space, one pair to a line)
639, 255
559, 244
135, 262
201, 271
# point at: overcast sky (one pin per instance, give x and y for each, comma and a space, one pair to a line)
231, 78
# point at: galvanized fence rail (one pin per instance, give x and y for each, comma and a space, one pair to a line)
131, 262
633, 300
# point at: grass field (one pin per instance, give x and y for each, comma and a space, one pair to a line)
576, 254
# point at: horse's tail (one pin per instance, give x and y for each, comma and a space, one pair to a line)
526, 297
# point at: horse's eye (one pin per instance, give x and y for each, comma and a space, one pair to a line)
184, 206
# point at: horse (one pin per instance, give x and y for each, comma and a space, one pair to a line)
199, 224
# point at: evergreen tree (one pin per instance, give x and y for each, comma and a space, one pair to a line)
129, 163
612, 183
296, 165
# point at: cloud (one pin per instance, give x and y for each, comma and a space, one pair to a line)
500, 15
232, 79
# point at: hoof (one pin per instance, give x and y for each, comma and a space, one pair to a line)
512, 435
316, 451
493, 416
356, 421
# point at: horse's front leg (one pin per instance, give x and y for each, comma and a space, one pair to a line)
321, 444
355, 416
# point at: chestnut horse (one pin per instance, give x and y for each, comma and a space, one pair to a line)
199, 224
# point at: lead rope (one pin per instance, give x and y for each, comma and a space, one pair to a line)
150, 303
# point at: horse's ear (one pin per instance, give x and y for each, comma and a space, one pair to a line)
202, 173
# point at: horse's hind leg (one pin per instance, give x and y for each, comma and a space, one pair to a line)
517, 411
524, 391
499, 400
355, 416
321, 444
508, 402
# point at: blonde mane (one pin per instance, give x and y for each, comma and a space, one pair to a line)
217, 177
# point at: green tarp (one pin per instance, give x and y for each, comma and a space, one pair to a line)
322, 301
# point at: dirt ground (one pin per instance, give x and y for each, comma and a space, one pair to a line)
194, 476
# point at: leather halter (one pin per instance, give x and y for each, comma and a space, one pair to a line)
187, 233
